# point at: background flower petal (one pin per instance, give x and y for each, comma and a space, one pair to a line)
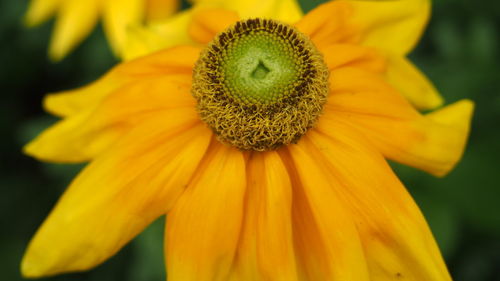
75, 21
40, 10
118, 16
161, 9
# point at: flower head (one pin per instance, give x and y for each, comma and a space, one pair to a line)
77, 18
324, 206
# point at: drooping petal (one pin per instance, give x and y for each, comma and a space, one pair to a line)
326, 239
161, 9
396, 239
75, 21
40, 11
118, 16
328, 24
203, 228
347, 55
206, 23
405, 77
393, 26
173, 64
433, 143
85, 135
266, 250
116, 196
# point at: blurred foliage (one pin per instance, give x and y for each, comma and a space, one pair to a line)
459, 52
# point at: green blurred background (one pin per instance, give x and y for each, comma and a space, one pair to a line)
459, 52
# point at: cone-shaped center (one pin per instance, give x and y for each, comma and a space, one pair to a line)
259, 67
260, 71
260, 84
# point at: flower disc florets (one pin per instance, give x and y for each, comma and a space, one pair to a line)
260, 84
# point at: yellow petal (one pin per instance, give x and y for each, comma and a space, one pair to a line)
266, 250
326, 239
118, 16
115, 197
393, 26
204, 226
171, 32
40, 11
161, 9
413, 84
85, 135
347, 55
391, 124
75, 21
396, 240
174, 64
206, 23
328, 24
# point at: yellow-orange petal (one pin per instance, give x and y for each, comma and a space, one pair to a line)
161, 9
396, 240
393, 26
405, 77
173, 64
203, 228
118, 16
115, 197
40, 11
266, 250
84, 136
206, 23
328, 24
347, 55
75, 21
326, 239
393, 125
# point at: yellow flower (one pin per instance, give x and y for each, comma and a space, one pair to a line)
327, 207
77, 18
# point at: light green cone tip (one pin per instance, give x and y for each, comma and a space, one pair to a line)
259, 68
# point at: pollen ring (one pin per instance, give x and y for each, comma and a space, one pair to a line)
260, 84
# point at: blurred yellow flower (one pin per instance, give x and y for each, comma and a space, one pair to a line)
77, 18
323, 205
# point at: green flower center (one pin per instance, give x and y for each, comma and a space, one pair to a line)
260, 84
260, 67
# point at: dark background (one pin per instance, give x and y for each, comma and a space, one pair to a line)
459, 52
